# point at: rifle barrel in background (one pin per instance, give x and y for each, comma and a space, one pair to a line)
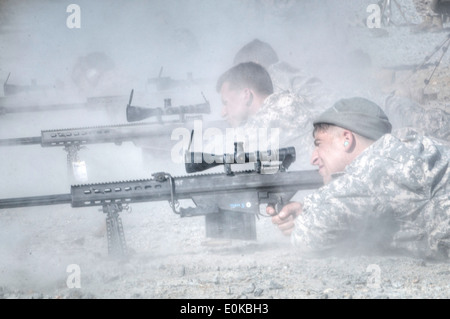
21, 141
137, 113
165, 83
94, 135
103, 101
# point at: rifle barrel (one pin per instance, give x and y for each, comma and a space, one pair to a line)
95, 135
35, 201
90, 102
21, 141
39, 108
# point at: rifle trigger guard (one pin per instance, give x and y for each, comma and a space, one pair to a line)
173, 202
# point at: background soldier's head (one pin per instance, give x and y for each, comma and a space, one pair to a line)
243, 89
257, 51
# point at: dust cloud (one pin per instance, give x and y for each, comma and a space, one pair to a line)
139, 39
120, 46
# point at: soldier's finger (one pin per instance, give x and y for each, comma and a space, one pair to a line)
286, 226
270, 210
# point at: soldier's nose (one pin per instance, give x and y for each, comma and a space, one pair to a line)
224, 111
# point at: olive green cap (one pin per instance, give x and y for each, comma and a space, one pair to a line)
358, 115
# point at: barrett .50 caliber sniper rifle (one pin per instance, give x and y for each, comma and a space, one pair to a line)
230, 201
163, 83
136, 113
73, 139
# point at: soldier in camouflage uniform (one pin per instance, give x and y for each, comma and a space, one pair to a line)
384, 191
431, 12
404, 112
250, 104
286, 77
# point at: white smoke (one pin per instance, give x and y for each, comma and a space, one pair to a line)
141, 39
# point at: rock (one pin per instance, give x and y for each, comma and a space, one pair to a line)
275, 285
258, 292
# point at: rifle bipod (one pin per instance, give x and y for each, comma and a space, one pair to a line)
386, 11
117, 247
444, 46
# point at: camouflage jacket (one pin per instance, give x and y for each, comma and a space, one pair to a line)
287, 119
426, 7
403, 112
288, 78
395, 195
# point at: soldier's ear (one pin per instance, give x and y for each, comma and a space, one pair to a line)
349, 140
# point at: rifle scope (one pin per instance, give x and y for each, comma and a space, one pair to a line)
198, 162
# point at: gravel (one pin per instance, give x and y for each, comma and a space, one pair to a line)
183, 264
59, 252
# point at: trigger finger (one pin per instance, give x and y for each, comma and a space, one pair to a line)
270, 209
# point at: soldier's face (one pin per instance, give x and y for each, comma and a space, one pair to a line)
329, 155
234, 105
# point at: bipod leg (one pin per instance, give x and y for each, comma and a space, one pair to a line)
444, 49
443, 46
117, 246
386, 12
401, 11
436, 50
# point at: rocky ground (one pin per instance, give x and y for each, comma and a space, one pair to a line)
170, 258
58, 252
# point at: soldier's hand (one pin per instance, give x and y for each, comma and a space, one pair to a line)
285, 218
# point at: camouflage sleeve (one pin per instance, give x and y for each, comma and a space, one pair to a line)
335, 215
404, 112
307, 87
285, 117
283, 110
425, 7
